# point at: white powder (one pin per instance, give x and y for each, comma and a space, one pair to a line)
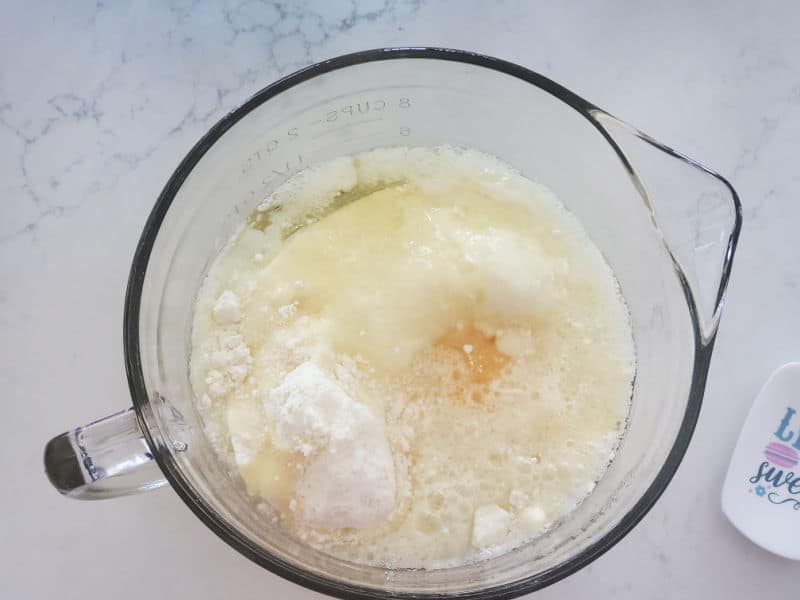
490, 526
532, 519
227, 308
350, 484
350, 479
230, 363
308, 409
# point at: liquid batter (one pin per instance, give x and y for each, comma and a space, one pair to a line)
417, 357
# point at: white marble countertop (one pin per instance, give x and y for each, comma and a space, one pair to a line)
98, 102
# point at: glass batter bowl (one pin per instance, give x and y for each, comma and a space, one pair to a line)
667, 226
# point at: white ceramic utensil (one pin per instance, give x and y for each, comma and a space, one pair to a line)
761, 494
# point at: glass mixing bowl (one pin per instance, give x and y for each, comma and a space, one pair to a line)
667, 226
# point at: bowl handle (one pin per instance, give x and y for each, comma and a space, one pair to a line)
104, 459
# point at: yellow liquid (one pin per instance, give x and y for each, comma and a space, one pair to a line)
464, 307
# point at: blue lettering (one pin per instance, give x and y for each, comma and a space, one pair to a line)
774, 476
781, 432
777, 478
757, 477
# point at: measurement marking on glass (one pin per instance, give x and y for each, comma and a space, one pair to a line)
345, 126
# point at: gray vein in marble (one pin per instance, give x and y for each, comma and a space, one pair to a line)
749, 158
49, 213
281, 28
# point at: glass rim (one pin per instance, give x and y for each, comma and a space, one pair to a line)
141, 401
